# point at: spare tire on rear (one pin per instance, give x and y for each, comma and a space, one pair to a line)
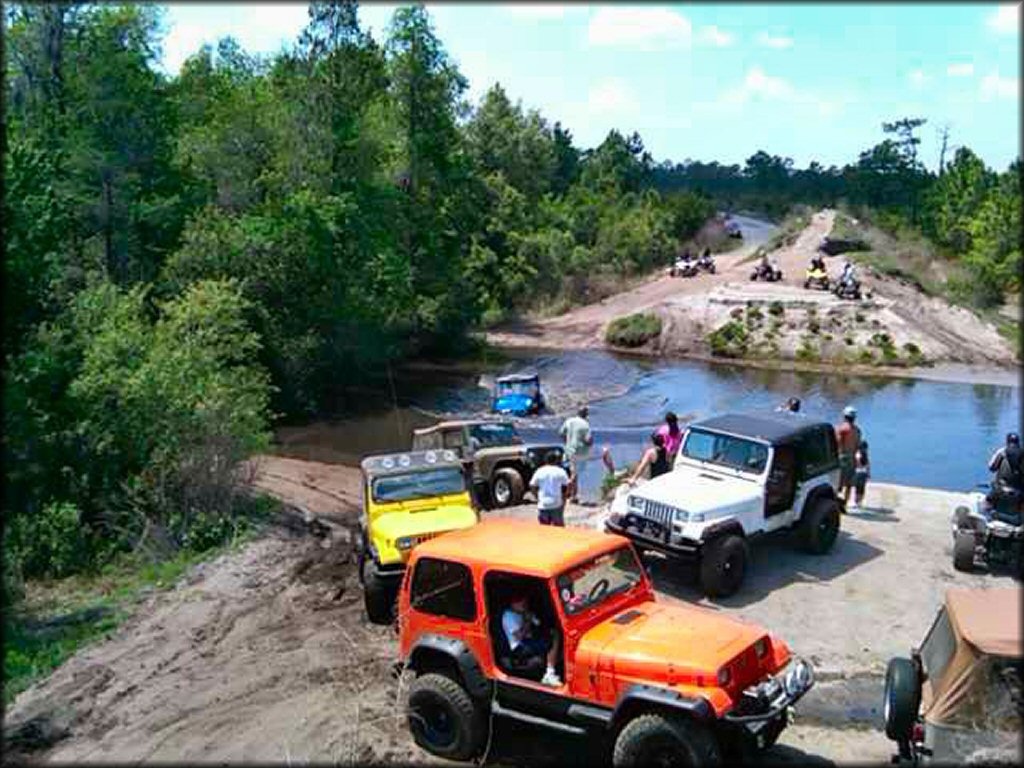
902, 698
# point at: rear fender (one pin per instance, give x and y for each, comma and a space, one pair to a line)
431, 652
645, 698
822, 491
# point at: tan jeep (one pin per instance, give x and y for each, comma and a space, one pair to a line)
502, 463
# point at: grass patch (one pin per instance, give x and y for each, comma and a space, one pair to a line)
730, 340
633, 330
59, 617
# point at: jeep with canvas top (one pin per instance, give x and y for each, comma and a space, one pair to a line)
406, 498
657, 683
502, 463
736, 476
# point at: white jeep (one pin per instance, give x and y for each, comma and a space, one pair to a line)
736, 476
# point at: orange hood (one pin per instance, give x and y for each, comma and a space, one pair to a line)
668, 643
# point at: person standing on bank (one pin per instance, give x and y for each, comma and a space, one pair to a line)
656, 457
550, 484
848, 439
578, 439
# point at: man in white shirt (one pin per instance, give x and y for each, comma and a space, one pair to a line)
551, 485
521, 629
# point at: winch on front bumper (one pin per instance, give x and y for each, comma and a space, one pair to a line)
762, 710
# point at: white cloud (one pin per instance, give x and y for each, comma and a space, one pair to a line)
537, 10
917, 78
995, 86
641, 27
757, 84
774, 41
712, 35
609, 96
1005, 19
965, 69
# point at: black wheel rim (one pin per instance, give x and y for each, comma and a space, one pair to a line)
436, 724
663, 752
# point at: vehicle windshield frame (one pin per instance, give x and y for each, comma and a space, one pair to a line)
452, 468
584, 568
528, 387
724, 465
494, 426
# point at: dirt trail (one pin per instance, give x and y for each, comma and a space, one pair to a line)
814, 326
265, 655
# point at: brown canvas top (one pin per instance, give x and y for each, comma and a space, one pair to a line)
988, 619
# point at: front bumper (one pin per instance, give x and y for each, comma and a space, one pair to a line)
647, 534
765, 707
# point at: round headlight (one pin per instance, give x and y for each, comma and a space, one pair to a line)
799, 677
430, 457
449, 456
404, 460
404, 543
387, 463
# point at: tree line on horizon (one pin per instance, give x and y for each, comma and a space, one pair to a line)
191, 258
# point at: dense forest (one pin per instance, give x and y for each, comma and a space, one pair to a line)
190, 257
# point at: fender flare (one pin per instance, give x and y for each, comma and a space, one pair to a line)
459, 654
641, 696
823, 491
722, 528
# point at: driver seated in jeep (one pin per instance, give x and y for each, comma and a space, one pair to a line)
530, 644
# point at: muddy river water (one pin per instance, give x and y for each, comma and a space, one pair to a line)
924, 433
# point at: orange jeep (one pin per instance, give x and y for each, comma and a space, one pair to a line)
659, 682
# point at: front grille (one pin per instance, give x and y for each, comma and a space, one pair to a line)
660, 513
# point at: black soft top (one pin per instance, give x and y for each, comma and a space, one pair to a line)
774, 429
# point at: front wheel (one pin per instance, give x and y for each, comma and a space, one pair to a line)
378, 595
507, 488
656, 739
820, 526
723, 565
963, 551
443, 719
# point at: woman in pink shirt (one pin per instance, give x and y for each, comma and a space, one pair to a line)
671, 434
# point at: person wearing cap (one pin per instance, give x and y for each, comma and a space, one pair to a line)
578, 439
848, 438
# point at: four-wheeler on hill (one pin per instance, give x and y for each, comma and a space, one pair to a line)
736, 476
502, 463
407, 498
659, 684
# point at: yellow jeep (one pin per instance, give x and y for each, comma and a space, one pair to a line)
407, 498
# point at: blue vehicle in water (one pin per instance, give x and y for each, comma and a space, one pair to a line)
517, 395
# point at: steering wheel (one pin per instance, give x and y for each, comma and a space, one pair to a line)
597, 591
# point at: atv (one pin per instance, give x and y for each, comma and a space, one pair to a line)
770, 272
816, 279
847, 289
685, 268
989, 534
706, 264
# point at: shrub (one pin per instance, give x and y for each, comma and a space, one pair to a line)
813, 326
634, 330
859, 317
849, 341
776, 309
866, 356
736, 313
730, 340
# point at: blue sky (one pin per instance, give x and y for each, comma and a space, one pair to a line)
710, 81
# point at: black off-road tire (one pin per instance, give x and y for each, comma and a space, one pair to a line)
901, 699
506, 488
378, 594
443, 718
657, 739
820, 526
963, 551
723, 564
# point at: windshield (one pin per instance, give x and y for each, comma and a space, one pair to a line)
418, 485
937, 649
517, 388
597, 580
493, 435
726, 450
